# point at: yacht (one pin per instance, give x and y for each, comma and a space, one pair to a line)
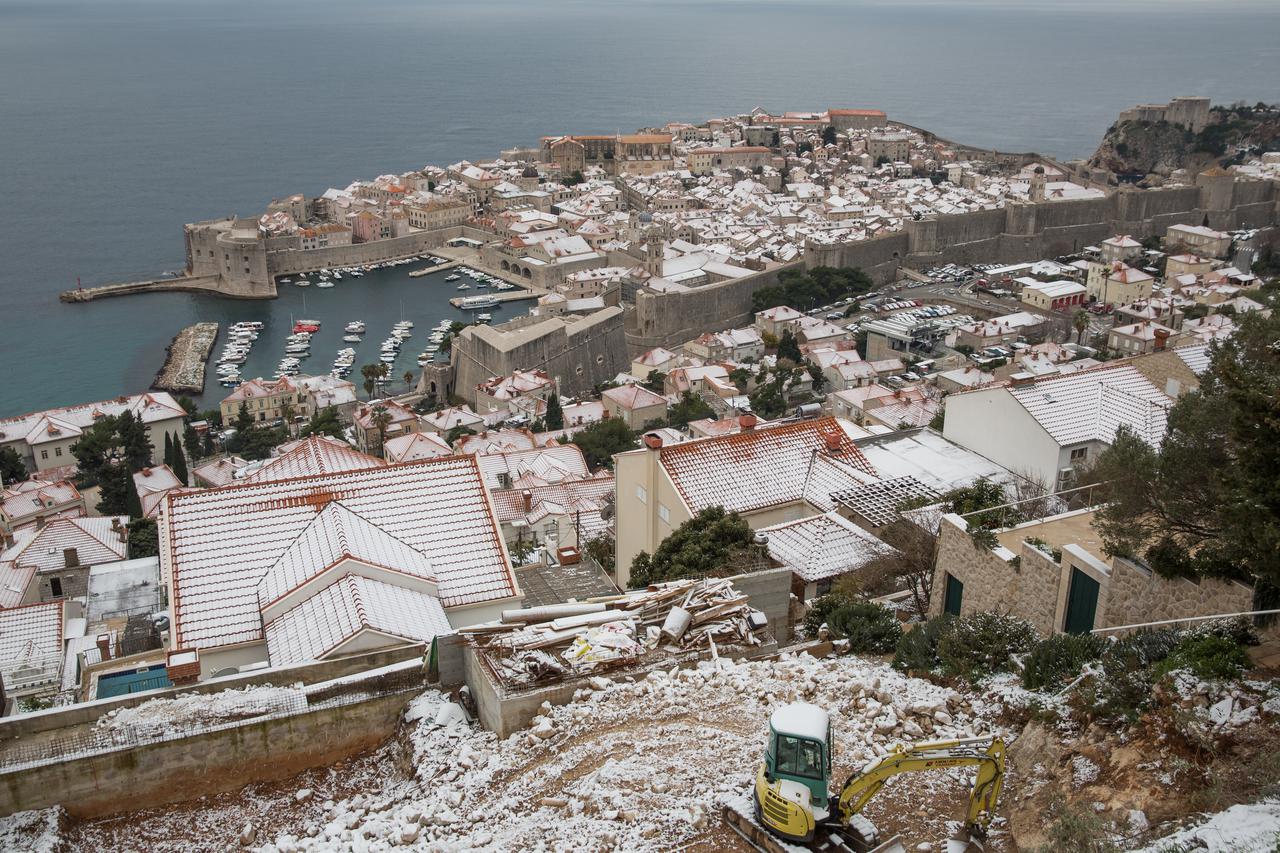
452, 277
484, 318
464, 286
337, 276
352, 339
355, 326
324, 283
302, 282
468, 303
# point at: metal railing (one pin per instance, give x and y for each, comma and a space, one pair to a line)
1038, 507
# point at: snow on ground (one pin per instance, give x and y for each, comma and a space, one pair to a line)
636, 766
1253, 828
196, 710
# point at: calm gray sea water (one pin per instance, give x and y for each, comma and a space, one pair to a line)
121, 120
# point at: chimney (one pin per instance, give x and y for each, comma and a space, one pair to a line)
1162, 339
526, 499
833, 442
41, 521
653, 442
70, 558
104, 646
746, 422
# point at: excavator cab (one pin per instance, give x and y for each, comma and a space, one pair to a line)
792, 791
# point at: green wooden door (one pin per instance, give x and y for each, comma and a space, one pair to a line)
954, 592
1082, 603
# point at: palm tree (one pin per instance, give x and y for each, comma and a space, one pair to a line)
408, 379
381, 419
1081, 322
371, 374
287, 412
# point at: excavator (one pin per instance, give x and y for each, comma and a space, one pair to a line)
792, 795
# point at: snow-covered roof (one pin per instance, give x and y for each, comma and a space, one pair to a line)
316, 454
67, 422
415, 446
801, 719
757, 468
347, 607
218, 544
552, 464
1092, 404
824, 546
31, 635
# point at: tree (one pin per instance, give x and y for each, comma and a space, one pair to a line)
910, 567
168, 449
257, 442
12, 468
713, 542
829, 135
555, 414
656, 381
381, 419
815, 374
244, 420
458, 432
114, 483
144, 538
408, 378
1080, 321
372, 374
767, 400
602, 439
809, 289
325, 422
1206, 502
133, 441
191, 441
286, 414
180, 464
689, 408
132, 500
789, 348
188, 405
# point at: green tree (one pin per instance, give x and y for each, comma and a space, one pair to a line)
12, 468
815, 373
180, 464
381, 419
655, 381
711, 543
602, 439
257, 442
372, 374
132, 500
244, 419
768, 400
555, 414
191, 441
168, 449
144, 538
689, 408
458, 432
829, 135
114, 484
133, 441
789, 347
325, 422
1206, 503
188, 405
1080, 320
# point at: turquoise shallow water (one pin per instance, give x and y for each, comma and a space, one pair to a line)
121, 120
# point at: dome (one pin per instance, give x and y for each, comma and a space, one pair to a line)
646, 217
530, 171
1039, 170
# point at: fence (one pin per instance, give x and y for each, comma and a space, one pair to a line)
108, 735
1037, 507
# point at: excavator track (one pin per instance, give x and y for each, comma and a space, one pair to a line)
828, 839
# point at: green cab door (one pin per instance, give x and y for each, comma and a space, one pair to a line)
1082, 603
952, 596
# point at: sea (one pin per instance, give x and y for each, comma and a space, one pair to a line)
120, 120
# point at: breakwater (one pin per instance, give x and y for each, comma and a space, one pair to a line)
183, 370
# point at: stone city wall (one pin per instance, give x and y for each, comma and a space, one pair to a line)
288, 262
1139, 595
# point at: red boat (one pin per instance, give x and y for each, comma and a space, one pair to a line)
306, 326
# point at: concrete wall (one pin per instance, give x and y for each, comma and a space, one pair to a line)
212, 762
309, 673
991, 422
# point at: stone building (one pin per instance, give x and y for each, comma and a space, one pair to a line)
1055, 574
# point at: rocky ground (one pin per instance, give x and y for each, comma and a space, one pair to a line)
185, 358
646, 765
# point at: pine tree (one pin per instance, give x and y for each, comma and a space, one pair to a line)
191, 440
133, 440
168, 449
180, 464
555, 414
114, 481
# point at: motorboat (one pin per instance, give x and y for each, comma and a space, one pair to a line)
355, 326
452, 277
302, 282
306, 326
484, 318
470, 303
324, 283
464, 286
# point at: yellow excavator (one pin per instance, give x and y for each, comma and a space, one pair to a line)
793, 800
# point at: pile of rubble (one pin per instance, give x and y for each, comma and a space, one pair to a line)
544, 643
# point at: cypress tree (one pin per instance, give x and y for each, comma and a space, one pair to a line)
180, 463
132, 503
555, 414
168, 449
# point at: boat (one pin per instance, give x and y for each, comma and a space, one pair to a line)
302, 282
355, 326
464, 286
324, 283
452, 277
306, 326
484, 318
286, 281
352, 339
337, 276
470, 303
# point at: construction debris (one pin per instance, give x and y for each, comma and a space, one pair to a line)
542, 644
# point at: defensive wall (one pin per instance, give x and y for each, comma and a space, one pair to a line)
1019, 232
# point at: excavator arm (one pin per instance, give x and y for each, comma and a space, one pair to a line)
987, 754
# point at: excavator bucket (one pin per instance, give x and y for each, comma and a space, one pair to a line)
966, 842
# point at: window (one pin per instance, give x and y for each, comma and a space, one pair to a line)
55, 587
642, 495
57, 451
664, 513
799, 757
1079, 454
44, 454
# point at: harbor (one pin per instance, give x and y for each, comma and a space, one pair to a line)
184, 364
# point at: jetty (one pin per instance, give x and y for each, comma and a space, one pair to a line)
446, 263
183, 370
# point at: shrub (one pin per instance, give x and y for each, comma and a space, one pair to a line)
1076, 829
918, 649
868, 627
980, 644
821, 609
1238, 629
1207, 656
1121, 688
1056, 660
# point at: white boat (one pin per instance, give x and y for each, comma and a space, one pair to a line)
352, 339
452, 277
470, 303
286, 280
355, 326
337, 276
302, 282
324, 283
407, 324
464, 286
484, 318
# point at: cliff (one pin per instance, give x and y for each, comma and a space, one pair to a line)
1137, 148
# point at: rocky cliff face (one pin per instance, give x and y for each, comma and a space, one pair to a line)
1158, 148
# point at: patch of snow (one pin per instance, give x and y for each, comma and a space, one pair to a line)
1083, 771
1251, 828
